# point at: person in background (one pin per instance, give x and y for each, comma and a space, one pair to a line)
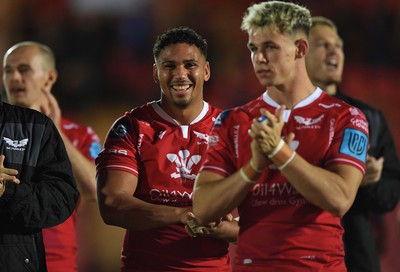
29, 73
291, 160
37, 188
150, 159
379, 191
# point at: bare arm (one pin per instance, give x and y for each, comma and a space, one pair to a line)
119, 207
333, 189
84, 170
225, 194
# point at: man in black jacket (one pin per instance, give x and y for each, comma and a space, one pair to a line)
37, 188
380, 189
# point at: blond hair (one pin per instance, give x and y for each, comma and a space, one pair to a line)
287, 18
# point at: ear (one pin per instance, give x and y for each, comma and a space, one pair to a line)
301, 48
155, 73
207, 71
51, 78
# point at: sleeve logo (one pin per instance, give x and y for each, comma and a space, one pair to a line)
354, 144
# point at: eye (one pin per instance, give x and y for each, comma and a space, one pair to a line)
190, 65
169, 66
23, 69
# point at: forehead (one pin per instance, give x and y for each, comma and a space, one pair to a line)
323, 31
258, 36
180, 51
24, 55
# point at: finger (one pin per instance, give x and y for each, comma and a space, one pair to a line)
2, 158
279, 113
190, 215
289, 138
228, 217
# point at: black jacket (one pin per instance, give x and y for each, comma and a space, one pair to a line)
381, 197
47, 194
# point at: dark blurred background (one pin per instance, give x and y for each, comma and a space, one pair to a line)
104, 56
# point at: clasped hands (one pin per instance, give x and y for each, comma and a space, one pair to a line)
266, 133
211, 229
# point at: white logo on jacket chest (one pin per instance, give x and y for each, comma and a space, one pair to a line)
15, 144
184, 163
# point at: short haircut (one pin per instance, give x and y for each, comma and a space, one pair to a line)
323, 21
46, 53
287, 18
180, 35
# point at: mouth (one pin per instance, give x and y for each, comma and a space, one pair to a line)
181, 89
16, 91
332, 63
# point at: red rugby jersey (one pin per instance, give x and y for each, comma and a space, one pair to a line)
279, 229
166, 157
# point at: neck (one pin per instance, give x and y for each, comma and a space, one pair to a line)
292, 93
330, 89
184, 115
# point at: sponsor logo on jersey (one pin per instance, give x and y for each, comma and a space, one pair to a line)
236, 140
220, 118
213, 140
167, 196
360, 123
117, 151
310, 123
354, 144
17, 145
330, 105
354, 111
204, 138
184, 162
120, 129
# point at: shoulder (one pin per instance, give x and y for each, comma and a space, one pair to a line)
365, 107
17, 114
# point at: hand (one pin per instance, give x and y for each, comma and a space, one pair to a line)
266, 136
6, 175
212, 229
373, 170
268, 132
52, 108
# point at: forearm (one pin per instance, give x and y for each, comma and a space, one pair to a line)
83, 169
132, 213
327, 189
225, 194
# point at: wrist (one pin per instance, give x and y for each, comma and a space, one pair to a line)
253, 165
276, 149
283, 157
249, 173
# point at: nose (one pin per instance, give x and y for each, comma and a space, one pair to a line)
260, 57
180, 71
